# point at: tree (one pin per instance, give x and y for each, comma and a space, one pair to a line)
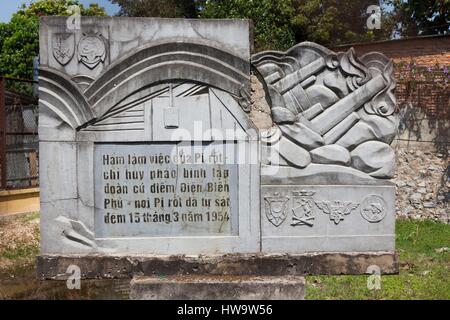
272, 19
159, 8
420, 17
278, 24
333, 22
19, 38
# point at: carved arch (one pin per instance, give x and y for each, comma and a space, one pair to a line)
59, 94
164, 62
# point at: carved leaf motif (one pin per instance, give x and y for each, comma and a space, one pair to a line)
336, 209
349, 206
324, 206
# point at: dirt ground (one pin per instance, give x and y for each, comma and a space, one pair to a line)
19, 240
19, 245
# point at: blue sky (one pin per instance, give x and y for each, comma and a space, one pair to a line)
8, 7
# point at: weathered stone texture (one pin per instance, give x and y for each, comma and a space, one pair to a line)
113, 267
218, 288
422, 184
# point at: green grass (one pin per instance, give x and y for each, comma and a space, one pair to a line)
21, 252
31, 216
424, 269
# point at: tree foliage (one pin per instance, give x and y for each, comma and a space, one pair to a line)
272, 19
280, 23
420, 17
332, 22
19, 38
159, 8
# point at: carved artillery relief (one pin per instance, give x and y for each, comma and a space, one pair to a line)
332, 110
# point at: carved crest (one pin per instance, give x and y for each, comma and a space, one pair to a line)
276, 208
91, 50
302, 208
337, 209
373, 208
63, 45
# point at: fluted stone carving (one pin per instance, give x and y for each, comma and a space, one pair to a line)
329, 109
157, 85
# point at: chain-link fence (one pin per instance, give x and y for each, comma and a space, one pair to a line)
19, 143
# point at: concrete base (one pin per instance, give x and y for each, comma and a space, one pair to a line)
218, 288
98, 266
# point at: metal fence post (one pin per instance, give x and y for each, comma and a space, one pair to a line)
2, 134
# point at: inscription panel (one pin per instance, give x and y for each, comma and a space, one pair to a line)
165, 189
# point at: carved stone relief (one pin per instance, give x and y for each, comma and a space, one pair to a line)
63, 47
302, 208
333, 113
337, 209
91, 49
133, 85
373, 208
276, 208
331, 108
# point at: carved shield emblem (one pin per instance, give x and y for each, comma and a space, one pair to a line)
91, 50
63, 47
276, 209
303, 208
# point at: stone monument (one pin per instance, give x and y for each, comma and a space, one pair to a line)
150, 162
327, 161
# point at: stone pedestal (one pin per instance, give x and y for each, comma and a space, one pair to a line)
218, 288
107, 266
